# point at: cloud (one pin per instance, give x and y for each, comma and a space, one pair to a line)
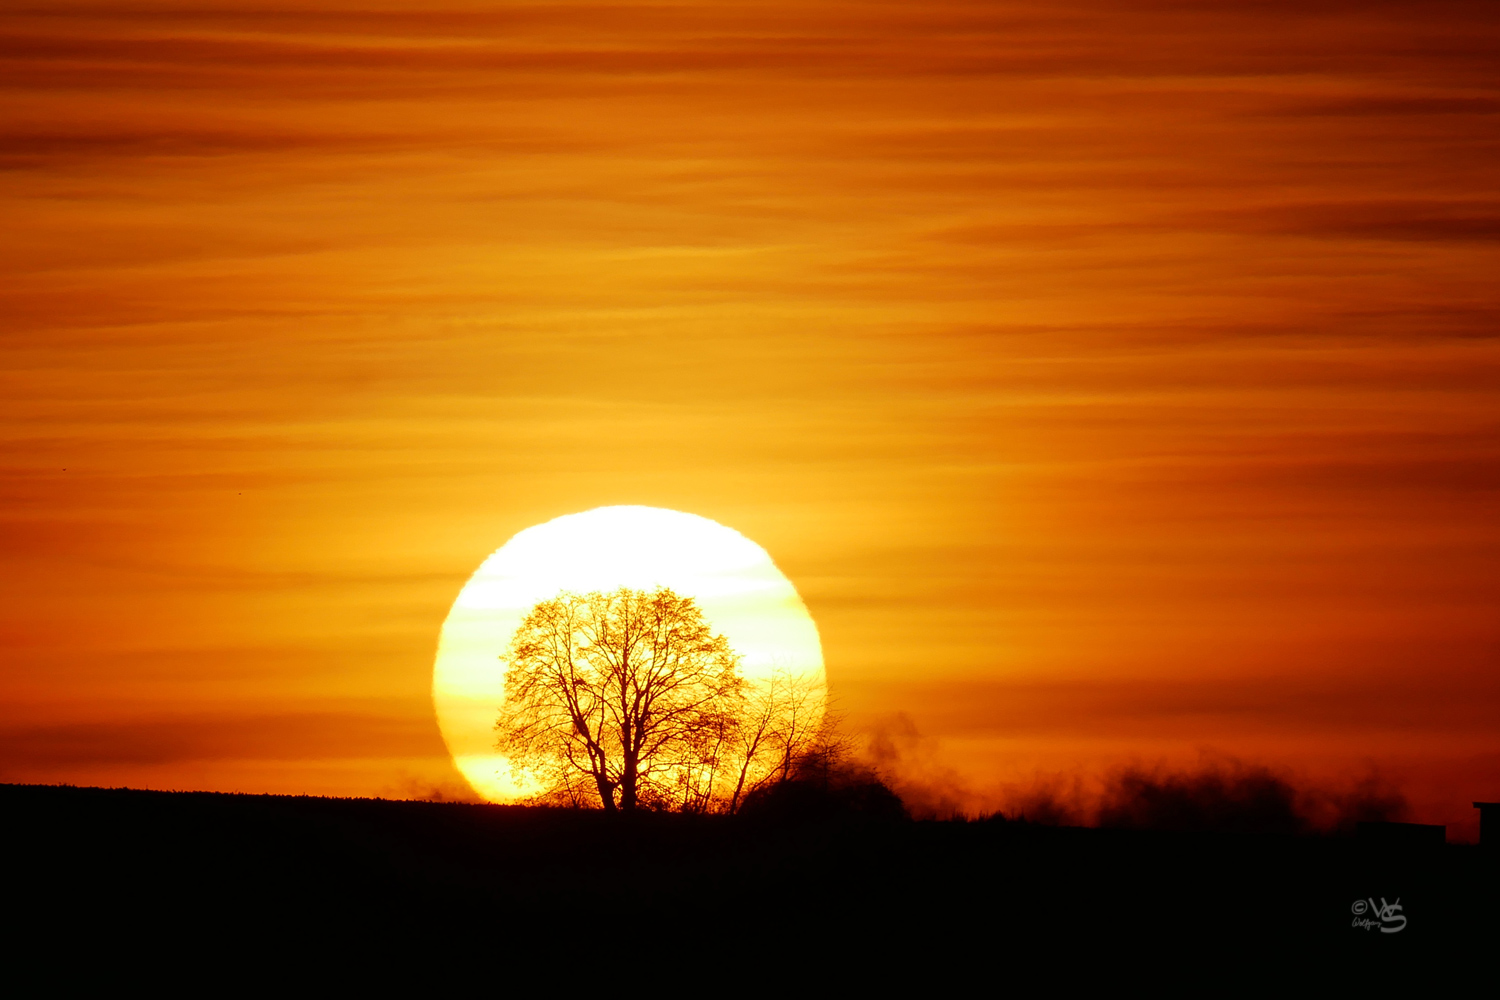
181, 739
1420, 221
1380, 107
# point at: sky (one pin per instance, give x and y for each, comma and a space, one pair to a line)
1117, 382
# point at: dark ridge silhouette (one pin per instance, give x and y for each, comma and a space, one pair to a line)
830, 870
1401, 835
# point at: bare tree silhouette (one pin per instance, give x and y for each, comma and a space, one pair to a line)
621, 695
779, 725
627, 699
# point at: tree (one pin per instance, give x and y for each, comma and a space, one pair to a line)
780, 724
627, 696
768, 735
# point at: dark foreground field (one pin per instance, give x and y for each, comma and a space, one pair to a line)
272, 875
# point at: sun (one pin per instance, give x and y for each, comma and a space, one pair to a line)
740, 590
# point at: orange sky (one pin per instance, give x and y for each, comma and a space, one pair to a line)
1116, 381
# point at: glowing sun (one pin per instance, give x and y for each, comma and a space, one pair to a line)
740, 590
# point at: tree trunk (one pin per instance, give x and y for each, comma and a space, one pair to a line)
630, 768
606, 792
739, 788
627, 784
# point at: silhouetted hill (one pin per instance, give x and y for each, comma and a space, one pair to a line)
272, 873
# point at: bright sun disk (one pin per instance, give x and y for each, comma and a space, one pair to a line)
741, 592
